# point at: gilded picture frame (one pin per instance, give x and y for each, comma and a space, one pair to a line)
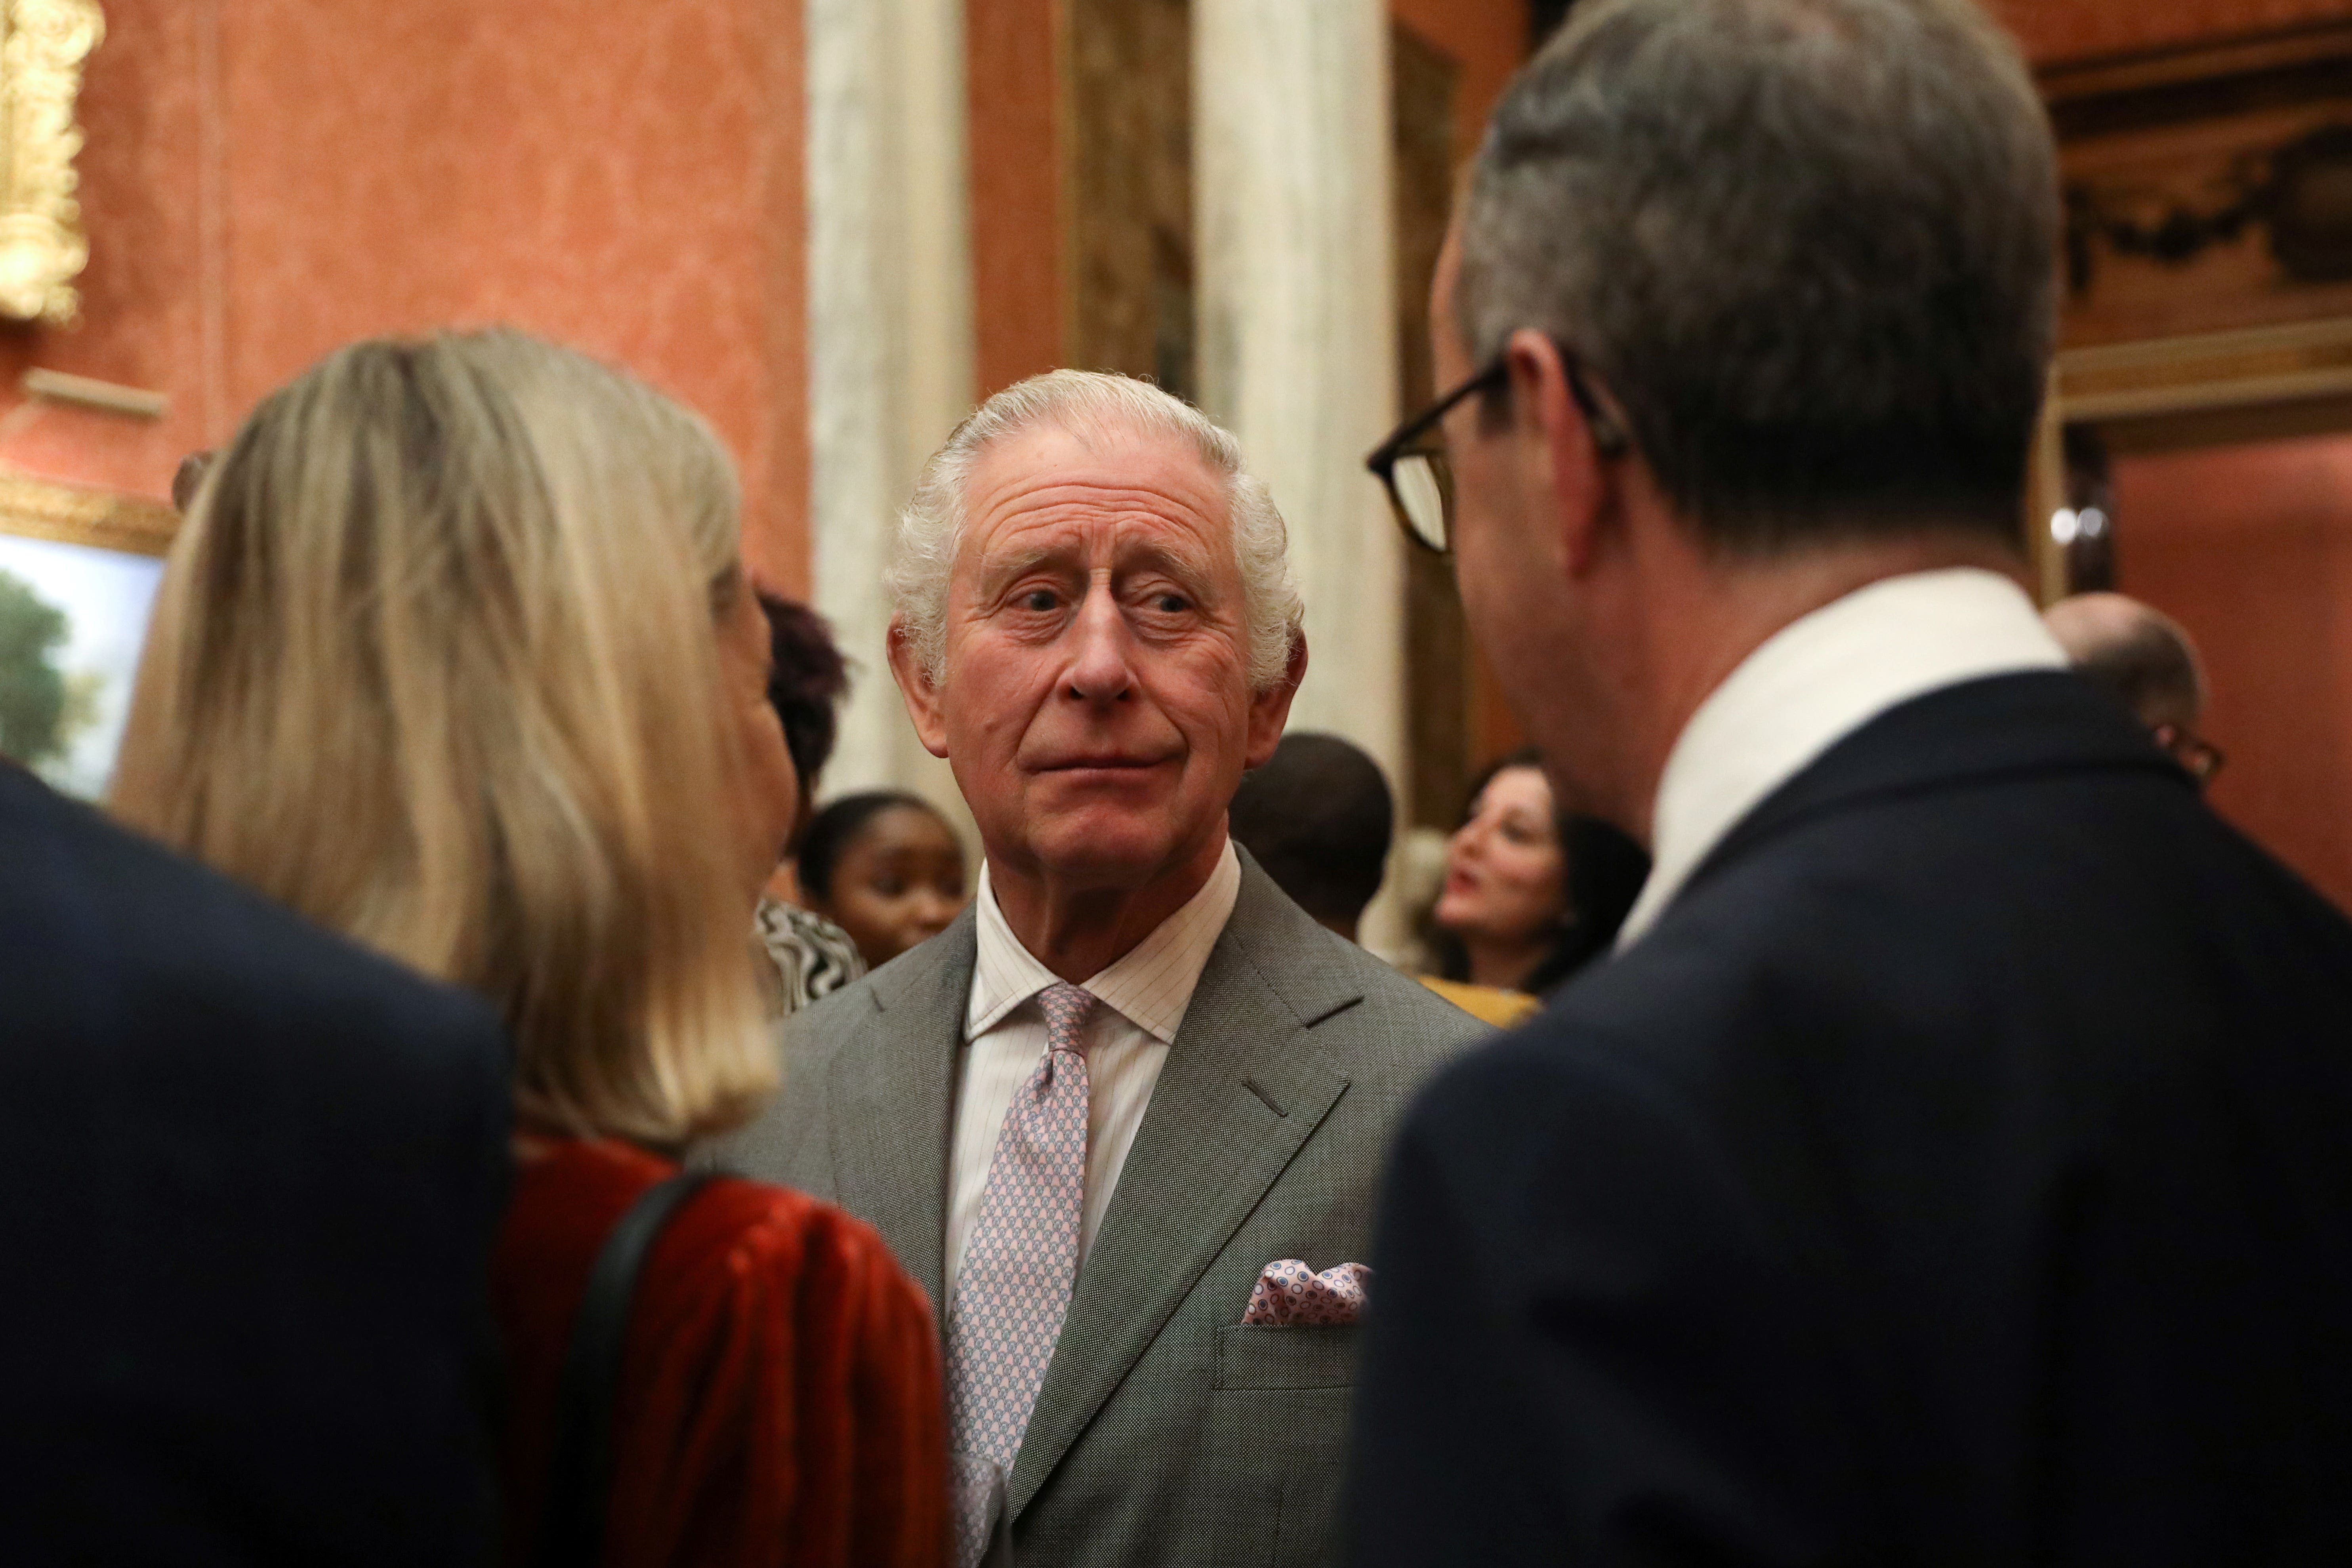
79, 572
2208, 257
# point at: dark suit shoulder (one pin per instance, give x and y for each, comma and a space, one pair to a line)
1989, 988
2097, 933
2039, 977
286, 1162
2080, 875
104, 930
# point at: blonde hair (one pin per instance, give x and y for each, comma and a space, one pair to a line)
429, 663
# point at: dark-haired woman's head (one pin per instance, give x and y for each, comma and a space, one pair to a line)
1531, 892
885, 867
1504, 902
806, 683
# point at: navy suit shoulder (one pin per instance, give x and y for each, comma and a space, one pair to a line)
252, 1178
1958, 1156
167, 928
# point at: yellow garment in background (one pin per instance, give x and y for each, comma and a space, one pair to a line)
1487, 1004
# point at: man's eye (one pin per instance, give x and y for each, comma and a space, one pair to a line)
1040, 600
1171, 604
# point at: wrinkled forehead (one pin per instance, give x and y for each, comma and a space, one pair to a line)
1103, 492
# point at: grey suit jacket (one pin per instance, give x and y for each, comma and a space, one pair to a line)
1166, 1432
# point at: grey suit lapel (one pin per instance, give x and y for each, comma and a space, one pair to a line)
1243, 1089
893, 1088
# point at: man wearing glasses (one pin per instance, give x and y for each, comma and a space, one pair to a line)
1955, 1162
2142, 658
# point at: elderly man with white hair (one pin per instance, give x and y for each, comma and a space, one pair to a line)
1123, 1120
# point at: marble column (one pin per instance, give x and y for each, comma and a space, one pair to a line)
889, 333
1295, 269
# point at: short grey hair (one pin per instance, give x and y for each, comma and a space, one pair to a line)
931, 525
1808, 245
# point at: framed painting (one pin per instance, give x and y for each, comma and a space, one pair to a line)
78, 571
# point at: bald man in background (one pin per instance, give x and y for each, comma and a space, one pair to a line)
2144, 659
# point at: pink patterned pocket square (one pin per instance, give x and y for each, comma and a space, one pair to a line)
1291, 1295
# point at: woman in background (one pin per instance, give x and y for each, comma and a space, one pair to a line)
884, 867
807, 679
455, 655
1532, 894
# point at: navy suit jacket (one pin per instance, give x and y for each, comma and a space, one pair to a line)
250, 1178
1960, 1172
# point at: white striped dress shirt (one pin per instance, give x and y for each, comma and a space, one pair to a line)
1143, 997
1816, 681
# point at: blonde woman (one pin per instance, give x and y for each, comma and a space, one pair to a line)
456, 656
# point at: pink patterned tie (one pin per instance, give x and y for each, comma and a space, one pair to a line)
1018, 1269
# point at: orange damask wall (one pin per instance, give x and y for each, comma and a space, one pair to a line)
266, 179
1015, 51
1487, 40
2250, 548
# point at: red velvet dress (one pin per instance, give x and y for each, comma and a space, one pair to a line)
779, 1401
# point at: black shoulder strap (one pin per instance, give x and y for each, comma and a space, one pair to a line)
580, 1478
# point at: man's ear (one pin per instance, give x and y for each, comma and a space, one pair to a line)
1573, 473
1270, 710
921, 693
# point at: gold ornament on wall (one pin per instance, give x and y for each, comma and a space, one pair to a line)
68, 514
43, 44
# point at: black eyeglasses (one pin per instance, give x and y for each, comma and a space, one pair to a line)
2202, 757
1414, 466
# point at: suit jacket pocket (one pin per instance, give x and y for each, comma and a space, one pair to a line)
1251, 1356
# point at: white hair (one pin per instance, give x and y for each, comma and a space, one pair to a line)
931, 525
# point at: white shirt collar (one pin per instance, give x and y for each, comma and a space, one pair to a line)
1151, 987
1812, 683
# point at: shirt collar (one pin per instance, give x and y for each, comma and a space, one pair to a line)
1151, 986
1812, 683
